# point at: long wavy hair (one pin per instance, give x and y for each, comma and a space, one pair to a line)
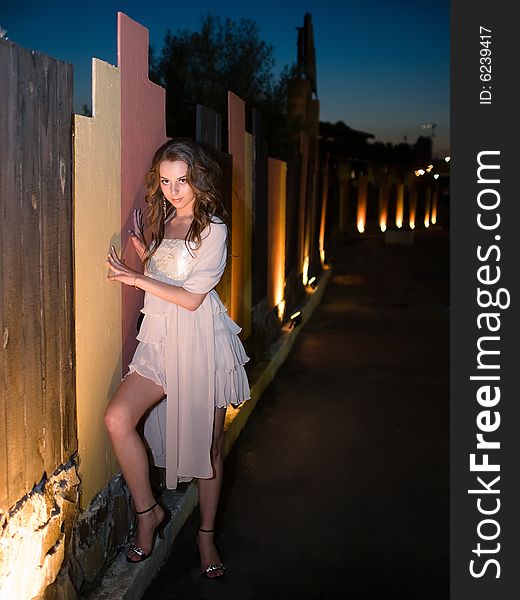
204, 177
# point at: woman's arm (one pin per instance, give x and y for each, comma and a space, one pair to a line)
207, 272
171, 293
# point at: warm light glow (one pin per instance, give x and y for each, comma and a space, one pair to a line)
305, 275
434, 207
383, 219
427, 207
436, 176
383, 204
361, 218
447, 158
419, 172
412, 208
276, 233
278, 279
312, 280
296, 314
399, 205
25, 579
411, 216
323, 218
429, 168
281, 309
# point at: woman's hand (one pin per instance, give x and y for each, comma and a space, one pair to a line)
137, 234
120, 271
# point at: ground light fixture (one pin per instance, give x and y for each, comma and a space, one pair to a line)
313, 283
295, 319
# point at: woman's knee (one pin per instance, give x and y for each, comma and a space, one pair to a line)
117, 419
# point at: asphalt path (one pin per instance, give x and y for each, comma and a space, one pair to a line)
338, 486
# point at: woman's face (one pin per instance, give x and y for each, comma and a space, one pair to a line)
175, 186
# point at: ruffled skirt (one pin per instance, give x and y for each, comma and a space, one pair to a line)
149, 360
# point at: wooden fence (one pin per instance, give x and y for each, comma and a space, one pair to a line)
282, 221
37, 397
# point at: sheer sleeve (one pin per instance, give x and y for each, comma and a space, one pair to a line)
210, 262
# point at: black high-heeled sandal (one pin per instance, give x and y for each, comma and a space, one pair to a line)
159, 530
214, 567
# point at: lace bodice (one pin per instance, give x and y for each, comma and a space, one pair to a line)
171, 262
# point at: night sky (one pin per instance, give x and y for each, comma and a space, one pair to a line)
382, 65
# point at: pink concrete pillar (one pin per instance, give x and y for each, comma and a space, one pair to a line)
143, 130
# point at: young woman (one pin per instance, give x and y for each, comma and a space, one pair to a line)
188, 346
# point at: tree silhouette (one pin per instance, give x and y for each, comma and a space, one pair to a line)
200, 67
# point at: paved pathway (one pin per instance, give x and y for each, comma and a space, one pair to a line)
338, 485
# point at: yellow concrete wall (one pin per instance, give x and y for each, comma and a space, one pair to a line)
97, 225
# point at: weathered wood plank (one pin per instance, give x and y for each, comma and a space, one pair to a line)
5, 99
64, 213
51, 305
12, 251
30, 291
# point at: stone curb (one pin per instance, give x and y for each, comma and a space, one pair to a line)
124, 581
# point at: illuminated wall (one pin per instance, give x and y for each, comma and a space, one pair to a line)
276, 234
362, 203
97, 225
324, 200
427, 206
113, 150
303, 258
399, 205
383, 203
143, 130
248, 235
412, 210
435, 199
240, 147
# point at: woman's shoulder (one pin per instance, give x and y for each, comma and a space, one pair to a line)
216, 230
216, 220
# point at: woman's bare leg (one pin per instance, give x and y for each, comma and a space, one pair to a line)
134, 397
209, 494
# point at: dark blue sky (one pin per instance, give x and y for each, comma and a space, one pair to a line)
383, 65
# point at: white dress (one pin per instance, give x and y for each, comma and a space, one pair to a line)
196, 356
